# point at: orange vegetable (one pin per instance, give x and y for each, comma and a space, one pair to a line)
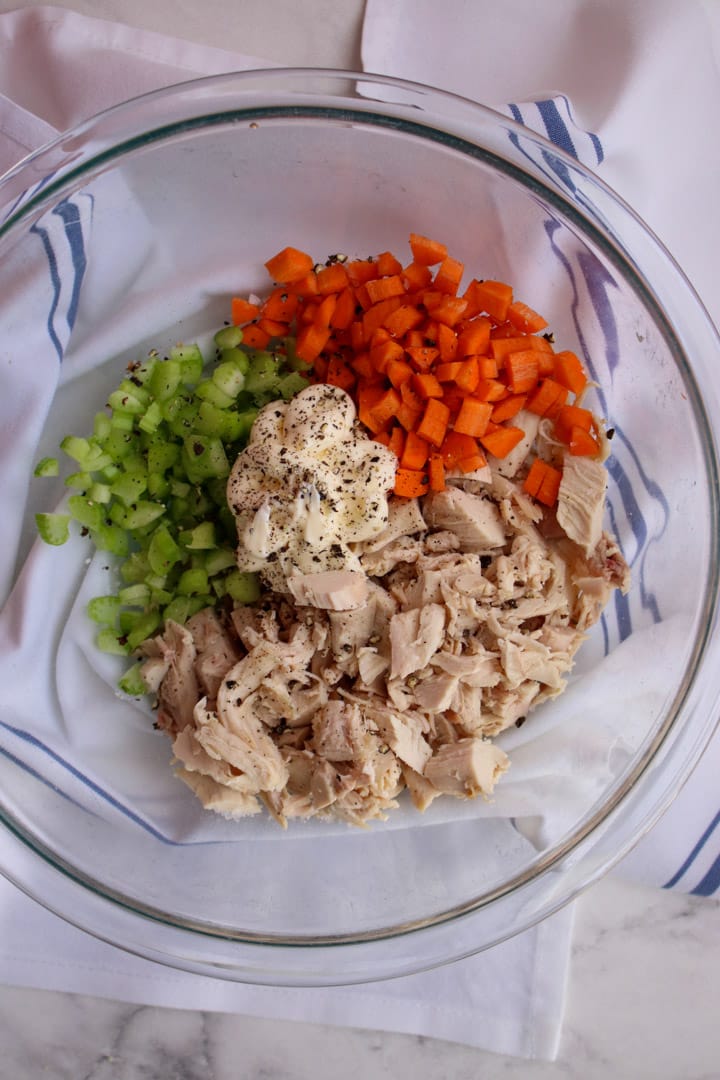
398, 371
396, 441
423, 356
524, 318
242, 311
547, 399
468, 375
415, 453
543, 482
310, 341
280, 305
332, 279
521, 369
436, 472
490, 390
289, 265
474, 338
493, 297
426, 252
387, 264
255, 337
460, 451
402, 319
361, 271
384, 287
473, 417
411, 483
569, 372
582, 443
272, 328
499, 443
434, 422
449, 275
571, 416
508, 407
417, 276
427, 385
446, 341
344, 312
340, 374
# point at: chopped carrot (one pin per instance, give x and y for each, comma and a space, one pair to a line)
323, 311
408, 416
289, 265
411, 483
582, 443
376, 315
255, 337
340, 374
416, 452
402, 319
543, 482
487, 367
474, 339
449, 310
417, 276
521, 369
571, 416
422, 356
569, 372
332, 279
493, 297
304, 286
280, 305
499, 443
310, 341
425, 251
427, 385
460, 451
396, 441
524, 318
384, 287
387, 264
434, 422
547, 399
508, 407
436, 472
446, 341
272, 328
344, 312
242, 311
448, 372
473, 417
500, 347
468, 376
398, 371
360, 271
384, 353
448, 276
490, 390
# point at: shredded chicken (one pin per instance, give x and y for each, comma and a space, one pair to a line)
458, 619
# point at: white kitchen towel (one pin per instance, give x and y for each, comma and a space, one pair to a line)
593, 76
509, 999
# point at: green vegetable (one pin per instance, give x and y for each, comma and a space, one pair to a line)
149, 484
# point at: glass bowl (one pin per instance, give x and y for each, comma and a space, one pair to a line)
133, 231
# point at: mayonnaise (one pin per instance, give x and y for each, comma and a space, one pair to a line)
309, 484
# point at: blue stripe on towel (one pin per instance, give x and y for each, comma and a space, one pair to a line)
32, 740
556, 128
70, 215
693, 855
56, 286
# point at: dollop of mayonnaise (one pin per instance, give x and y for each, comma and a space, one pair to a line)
309, 484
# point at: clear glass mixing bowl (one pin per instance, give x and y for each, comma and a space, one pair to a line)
133, 231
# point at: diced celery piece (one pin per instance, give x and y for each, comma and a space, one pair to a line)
47, 466
132, 682
99, 493
104, 609
229, 337
263, 374
161, 455
80, 481
193, 582
228, 378
179, 488
119, 444
292, 384
101, 426
151, 419
145, 626
88, 514
165, 378
75, 447
238, 357
156, 581
242, 586
128, 488
135, 517
163, 552
134, 595
158, 486
135, 463
191, 362
201, 538
204, 456
182, 424
111, 538
160, 597
182, 607
210, 419
127, 401
220, 559
207, 390
121, 422
141, 372
53, 528
246, 420
135, 568
109, 641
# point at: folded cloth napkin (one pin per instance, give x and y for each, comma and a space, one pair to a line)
593, 79
508, 999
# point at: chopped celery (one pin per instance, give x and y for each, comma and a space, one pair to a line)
132, 682
104, 609
47, 466
150, 484
53, 528
242, 586
229, 337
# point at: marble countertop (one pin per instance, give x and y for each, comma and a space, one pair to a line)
644, 977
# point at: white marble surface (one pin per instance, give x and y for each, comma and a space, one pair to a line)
642, 1005
644, 979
